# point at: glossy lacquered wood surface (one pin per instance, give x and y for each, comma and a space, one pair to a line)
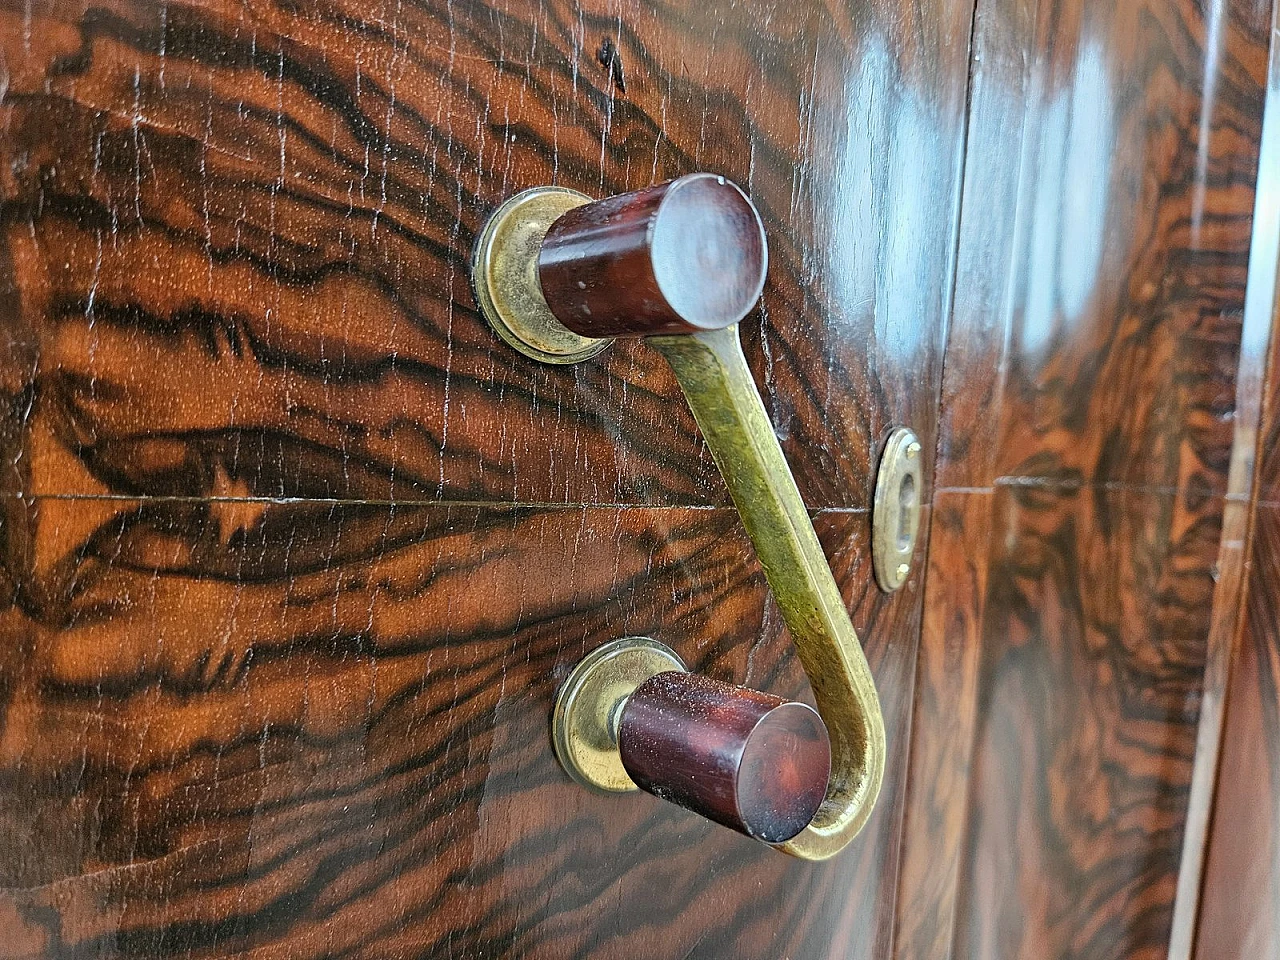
296, 551
1093, 656
321, 730
280, 201
1086, 434
946, 706
1236, 880
234, 272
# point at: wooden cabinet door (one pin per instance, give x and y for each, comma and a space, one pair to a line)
296, 551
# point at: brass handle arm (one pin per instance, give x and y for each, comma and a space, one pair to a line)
716, 381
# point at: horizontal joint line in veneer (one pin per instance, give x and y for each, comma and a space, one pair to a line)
1116, 486
339, 501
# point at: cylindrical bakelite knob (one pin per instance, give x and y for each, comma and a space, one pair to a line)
679, 257
745, 759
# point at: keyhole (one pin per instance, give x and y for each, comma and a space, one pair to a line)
906, 503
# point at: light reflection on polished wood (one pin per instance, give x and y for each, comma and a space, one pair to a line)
1084, 442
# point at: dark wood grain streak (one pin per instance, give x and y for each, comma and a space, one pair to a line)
1125, 341
1231, 875
1257, 409
233, 271
943, 724
1097, 610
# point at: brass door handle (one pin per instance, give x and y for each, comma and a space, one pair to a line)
681, 264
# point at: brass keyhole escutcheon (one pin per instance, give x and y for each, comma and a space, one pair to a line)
895, 512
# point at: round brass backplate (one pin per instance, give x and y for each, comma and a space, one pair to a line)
895, 514
589, 705
504, 273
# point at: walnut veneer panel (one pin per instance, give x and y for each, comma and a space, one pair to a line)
236, 238
1096, 615
1090, 394
321, 730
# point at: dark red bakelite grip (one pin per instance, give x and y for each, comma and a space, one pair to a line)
745, 759
681, 257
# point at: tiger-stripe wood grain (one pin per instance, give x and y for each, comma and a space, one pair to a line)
1232, 843
1097, 609
296, 550
279, 200
320, 729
